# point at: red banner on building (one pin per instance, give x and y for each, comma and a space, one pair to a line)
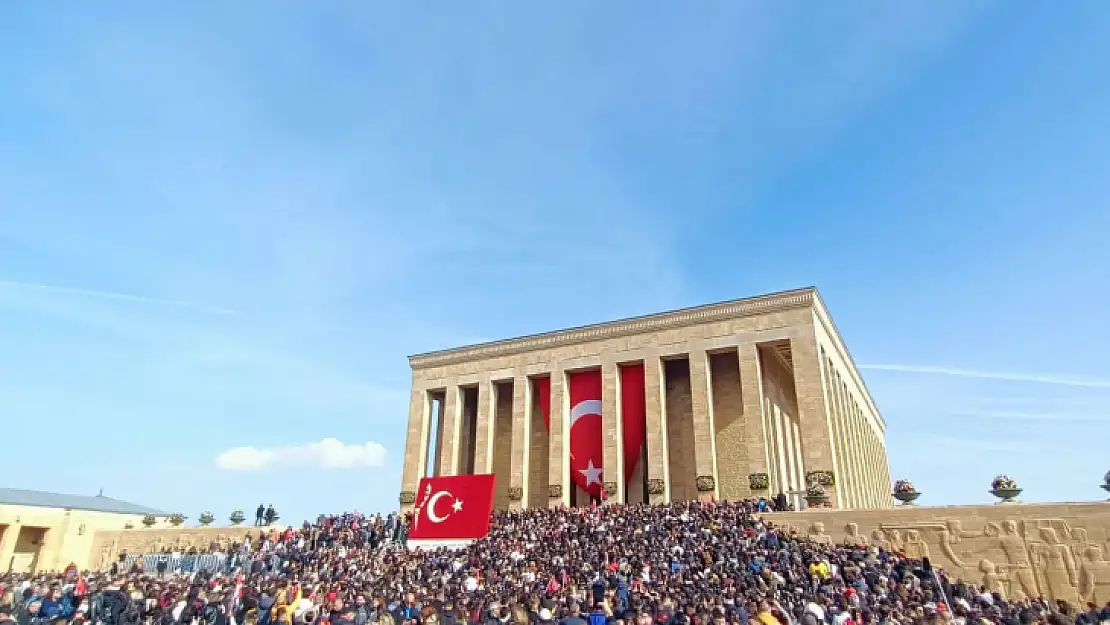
586, 457
455, 507
633, 416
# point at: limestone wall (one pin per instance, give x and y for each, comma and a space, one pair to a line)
1056, 550
108, 544
36, 538
680, 430
733, 466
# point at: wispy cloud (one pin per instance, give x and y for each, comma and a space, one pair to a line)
329, 453
120, 297
1031, 416
1039, 378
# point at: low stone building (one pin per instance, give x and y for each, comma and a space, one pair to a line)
42, 531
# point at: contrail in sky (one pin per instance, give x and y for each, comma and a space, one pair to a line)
1031, 416
1039, 378
119, 297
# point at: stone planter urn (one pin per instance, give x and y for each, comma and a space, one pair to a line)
816, 497
1005, 488
905, 492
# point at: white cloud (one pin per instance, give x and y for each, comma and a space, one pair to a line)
329, 453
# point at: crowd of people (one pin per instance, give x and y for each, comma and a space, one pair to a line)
681, 564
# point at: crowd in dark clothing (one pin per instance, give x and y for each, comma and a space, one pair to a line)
681, 564
265, 515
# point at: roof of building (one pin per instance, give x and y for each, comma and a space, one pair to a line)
97, 503
806, 297
760, 304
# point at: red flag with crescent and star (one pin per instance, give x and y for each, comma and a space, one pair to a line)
586, 442
633, 415
585, 431
453, 507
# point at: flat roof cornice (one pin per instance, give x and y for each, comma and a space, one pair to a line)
746, 307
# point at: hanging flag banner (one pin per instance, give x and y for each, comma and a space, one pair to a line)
585, 430
454, 507
633, 416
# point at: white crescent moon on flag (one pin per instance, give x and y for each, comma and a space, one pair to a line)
431, 506
583, 408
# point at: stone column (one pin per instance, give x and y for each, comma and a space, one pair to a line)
522, 442
813, 417
855, 465
778, 443
836, 409
859, 465
796, 438
751, 391
868, 461
416, 447
485, 428
449, 431
558, 440
612, 432
876, 482
874, 465
655, 408
705, 440
7, 546
848, 487
885, 468
852, 474
792, 464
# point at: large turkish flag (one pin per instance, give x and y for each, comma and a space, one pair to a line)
455, 507
586, 442
585, 431
633, 416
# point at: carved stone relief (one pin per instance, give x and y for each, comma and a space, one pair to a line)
1019, 557
109, 545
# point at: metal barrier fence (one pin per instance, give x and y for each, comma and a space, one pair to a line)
208, 562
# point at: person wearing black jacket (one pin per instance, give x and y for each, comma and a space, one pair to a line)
114, 602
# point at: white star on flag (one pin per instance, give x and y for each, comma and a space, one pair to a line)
457, 506
591, 473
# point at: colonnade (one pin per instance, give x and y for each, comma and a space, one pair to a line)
725, 419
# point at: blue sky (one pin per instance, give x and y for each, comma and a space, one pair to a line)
226, 225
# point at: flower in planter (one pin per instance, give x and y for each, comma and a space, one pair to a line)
1003, 482
815, 490
904, 486
237, 517
824, 478
206, 517
176, 519
149, 520
759, 481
